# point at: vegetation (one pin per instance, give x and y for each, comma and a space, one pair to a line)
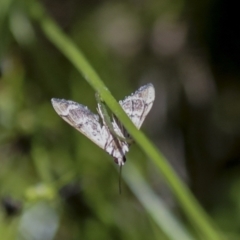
55, 183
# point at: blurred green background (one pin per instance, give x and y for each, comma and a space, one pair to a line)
55, 183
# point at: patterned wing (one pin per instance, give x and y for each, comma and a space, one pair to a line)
138, 104
81, 118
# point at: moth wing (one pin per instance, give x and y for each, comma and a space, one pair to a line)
81, 118
139, 103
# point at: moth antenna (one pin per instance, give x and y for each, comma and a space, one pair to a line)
120, 179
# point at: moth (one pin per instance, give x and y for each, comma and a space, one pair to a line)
111, 135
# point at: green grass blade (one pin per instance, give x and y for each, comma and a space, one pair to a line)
153, 204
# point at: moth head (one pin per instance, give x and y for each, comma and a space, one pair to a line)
120, 161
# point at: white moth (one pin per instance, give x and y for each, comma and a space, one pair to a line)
136, 106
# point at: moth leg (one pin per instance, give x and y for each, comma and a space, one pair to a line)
102, 110
127, 136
